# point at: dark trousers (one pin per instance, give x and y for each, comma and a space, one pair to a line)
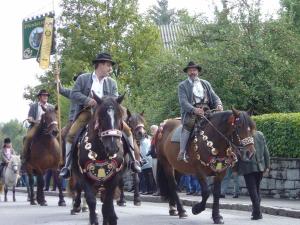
253, 185
147, 181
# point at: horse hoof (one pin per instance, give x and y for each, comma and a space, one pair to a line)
5, 200
14, 200
137, 203
62, 203
182, 215
173, 212
121, 203
198, 208
84, 209
33, 203
43, 204
218, 220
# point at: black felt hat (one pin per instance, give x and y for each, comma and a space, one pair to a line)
191, 64
101, 57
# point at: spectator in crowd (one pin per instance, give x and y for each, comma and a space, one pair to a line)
225, 182
253, 171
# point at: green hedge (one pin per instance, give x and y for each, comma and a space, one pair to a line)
282, 132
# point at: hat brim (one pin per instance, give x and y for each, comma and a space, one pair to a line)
103, 60
43, 94
196, 66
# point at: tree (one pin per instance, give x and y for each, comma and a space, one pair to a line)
292, 11
161, 14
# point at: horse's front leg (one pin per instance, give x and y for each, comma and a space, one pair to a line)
136, 184
59, 181
90, 197
121, 201
108, 210
218, 219
14, 193
200, 207
31, 191
40, 191
5, 192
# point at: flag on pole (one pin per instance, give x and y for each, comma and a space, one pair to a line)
46, 44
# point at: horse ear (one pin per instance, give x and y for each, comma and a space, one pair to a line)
142, 113
235, 111
97, 99
250, 111
120, 98
128, 113
43, 108
56, 107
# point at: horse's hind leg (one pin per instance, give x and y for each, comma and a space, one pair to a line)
136, 184
14, 193
5, 193
121, 201
31, 191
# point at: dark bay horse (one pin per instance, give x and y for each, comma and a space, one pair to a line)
211, 150
136, 122
45, 153
99, 157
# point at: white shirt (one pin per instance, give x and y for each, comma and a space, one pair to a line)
40, 111
198, 90
97, 85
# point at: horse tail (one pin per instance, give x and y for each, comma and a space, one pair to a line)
162, 181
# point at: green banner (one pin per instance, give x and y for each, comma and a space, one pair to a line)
32, 32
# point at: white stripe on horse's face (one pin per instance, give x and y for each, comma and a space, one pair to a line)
111, 113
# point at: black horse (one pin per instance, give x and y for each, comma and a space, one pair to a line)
99, 157
136, 122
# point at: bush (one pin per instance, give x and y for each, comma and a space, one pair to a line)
282, 132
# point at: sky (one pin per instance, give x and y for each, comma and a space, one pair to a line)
16, 74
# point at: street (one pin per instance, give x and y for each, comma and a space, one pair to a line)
21, 213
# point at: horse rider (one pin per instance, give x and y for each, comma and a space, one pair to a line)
34, 116
6, 153
66, 92
195, 96
101, 84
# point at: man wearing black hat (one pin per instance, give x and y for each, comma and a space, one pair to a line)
101, 84
195, 96
34, 116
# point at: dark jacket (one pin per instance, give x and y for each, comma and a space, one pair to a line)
81, 91
261, 159
33, 111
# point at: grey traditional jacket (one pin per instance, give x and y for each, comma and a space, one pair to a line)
185, 95
260, 161
81, 91
67, 93
33, 110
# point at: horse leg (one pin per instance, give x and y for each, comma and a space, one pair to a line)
40, 191
200, 207
5, 192
108, 211
14, 193
91, 201
31, 191
136, 184
121, 201
76, 200
84, 207
58, 181
217, 218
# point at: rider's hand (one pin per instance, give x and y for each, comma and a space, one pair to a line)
30, 119
219, 108
199, 111
266, 172
92, 102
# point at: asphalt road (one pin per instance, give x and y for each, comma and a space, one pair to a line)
21, 213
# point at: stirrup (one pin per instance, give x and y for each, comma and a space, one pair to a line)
182, 157
65, 173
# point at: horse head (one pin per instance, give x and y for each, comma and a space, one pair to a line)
108, 123
15, 163
49, 122
243, 128
136, 122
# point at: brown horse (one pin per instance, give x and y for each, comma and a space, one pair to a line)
211, 150
45, 153
99, 158
136, 122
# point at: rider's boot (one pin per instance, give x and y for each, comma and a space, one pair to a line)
184, 138
66, 170
135, 165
